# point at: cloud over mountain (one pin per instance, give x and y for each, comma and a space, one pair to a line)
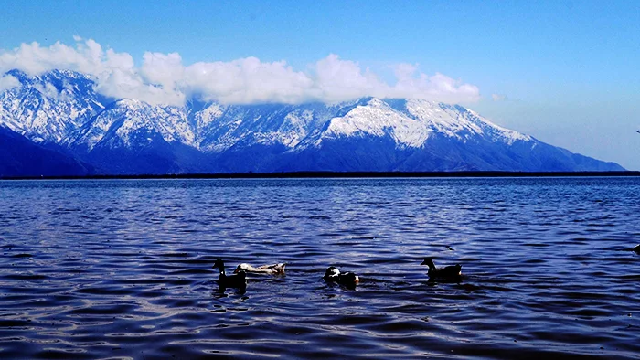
164, 79
8, 82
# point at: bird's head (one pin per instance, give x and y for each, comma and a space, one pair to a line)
331, 272
429, 263
219, 264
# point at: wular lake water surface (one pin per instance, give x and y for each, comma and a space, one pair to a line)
122, 268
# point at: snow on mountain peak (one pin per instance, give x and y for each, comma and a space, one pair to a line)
412, 122
50, 107
377, 118
62, 106
126, 117
510, 136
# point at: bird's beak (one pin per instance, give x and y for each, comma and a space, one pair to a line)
424, 262
235, 271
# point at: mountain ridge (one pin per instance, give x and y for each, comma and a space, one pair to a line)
127, 136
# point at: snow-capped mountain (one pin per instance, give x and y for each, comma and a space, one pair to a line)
410, 123
130, 136
51, 107
123, 123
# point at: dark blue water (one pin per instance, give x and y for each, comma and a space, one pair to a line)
122, 268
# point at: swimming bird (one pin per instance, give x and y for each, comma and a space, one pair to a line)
275, 269
233, 281
452, 273
348, 279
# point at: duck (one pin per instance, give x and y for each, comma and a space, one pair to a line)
446, 273
275, 269
230, 281
348, 279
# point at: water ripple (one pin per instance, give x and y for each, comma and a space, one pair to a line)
122, 268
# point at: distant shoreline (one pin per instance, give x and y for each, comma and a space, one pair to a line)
329, 175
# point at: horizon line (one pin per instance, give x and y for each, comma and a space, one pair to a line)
332, 175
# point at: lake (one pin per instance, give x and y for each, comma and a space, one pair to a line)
123, 268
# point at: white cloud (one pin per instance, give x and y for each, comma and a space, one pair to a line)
49, 91
498, 97
163, 79
415, 85
8, 82
247, 80
336, 80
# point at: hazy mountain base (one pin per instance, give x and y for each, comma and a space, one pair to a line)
344, 155
20, 156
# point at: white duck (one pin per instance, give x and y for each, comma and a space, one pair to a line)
275, 269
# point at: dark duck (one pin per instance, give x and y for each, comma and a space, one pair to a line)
238, 280
348, 279
449, 273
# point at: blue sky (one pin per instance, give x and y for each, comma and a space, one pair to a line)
565, 72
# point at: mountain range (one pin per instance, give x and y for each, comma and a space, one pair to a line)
59, 124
